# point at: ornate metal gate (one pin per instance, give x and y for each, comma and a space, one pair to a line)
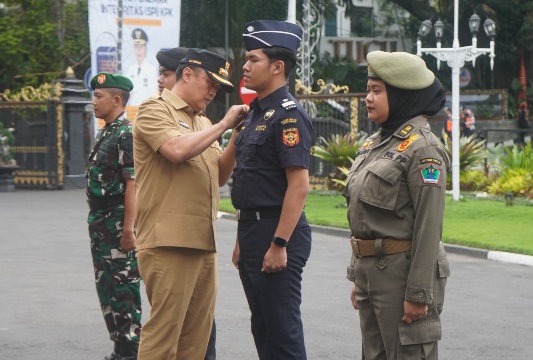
38, 124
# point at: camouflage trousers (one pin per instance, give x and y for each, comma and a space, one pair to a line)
117, 284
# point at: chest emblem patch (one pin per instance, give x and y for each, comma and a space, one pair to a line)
291, 136
430, 174
406, 143
268, 114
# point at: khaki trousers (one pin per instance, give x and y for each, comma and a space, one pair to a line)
380, 295
181, 287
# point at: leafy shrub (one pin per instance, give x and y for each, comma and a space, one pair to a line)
340, 151
472, 150
6, 140
517, 181
517, 158
474, 180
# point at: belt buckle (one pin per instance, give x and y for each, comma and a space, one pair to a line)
238, 214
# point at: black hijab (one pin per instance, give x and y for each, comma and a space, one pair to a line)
407, 104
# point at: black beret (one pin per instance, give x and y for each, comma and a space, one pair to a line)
170, 58
216, 66
114, 81
267, 33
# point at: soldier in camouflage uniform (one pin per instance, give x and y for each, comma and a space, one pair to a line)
111, 198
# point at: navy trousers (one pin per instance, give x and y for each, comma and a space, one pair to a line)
274, 299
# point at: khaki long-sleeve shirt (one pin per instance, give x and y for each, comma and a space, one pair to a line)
396, 189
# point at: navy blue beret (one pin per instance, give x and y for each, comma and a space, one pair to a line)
268, 33
170, 58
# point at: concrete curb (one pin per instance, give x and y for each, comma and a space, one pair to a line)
499, 256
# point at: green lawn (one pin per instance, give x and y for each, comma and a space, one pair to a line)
481, 223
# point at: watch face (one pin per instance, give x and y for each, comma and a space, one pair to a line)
280, 241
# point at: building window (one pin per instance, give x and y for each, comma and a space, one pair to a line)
362, 21
331, 26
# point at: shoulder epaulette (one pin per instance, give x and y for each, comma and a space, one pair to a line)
288, 104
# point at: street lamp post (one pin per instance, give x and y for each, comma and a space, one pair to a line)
456, 57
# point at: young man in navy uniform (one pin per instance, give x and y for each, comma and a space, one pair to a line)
270, 186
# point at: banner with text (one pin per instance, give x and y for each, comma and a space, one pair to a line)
147, 27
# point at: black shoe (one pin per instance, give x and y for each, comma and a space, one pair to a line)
129, 357
113, 356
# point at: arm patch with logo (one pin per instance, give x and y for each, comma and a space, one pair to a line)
430, 173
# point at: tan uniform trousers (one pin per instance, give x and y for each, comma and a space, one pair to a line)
380, 295
181, 287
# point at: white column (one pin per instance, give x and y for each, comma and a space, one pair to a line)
291, 12
455, 108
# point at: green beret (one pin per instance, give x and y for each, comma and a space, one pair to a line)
107, 80
400, 69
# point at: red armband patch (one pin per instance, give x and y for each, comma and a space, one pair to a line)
291, 136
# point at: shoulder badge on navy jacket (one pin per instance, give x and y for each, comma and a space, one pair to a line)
288, 104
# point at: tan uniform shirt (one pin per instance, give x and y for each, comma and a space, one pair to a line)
176, 203
396, 189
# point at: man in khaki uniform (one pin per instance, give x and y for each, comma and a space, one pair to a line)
395, 192
180, 167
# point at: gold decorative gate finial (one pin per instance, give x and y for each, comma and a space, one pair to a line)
330, 88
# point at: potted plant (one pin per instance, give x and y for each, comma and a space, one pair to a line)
7, 162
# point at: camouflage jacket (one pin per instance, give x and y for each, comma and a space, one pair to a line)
111, 160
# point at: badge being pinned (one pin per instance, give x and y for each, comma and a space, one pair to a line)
291, 136
405, 144
430, 174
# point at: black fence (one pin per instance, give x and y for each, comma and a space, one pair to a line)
334, 114
38, 148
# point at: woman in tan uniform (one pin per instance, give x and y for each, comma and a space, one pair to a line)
395, 194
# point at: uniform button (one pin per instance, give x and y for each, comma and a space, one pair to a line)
381, 262
420, 295
212, 177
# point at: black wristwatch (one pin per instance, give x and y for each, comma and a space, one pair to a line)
280, 241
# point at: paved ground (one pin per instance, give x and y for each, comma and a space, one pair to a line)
49, 309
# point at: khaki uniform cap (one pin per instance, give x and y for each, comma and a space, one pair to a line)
400, 69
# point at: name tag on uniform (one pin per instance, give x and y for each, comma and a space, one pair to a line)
183, 123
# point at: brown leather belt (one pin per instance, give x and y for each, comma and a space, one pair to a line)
364, 248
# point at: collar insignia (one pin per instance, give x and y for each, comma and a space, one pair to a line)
367, 144
406, 130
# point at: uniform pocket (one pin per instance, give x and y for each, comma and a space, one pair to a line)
382, 184
419, 332
441, 277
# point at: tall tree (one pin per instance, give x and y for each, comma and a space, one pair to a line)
40, 39
514, 34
